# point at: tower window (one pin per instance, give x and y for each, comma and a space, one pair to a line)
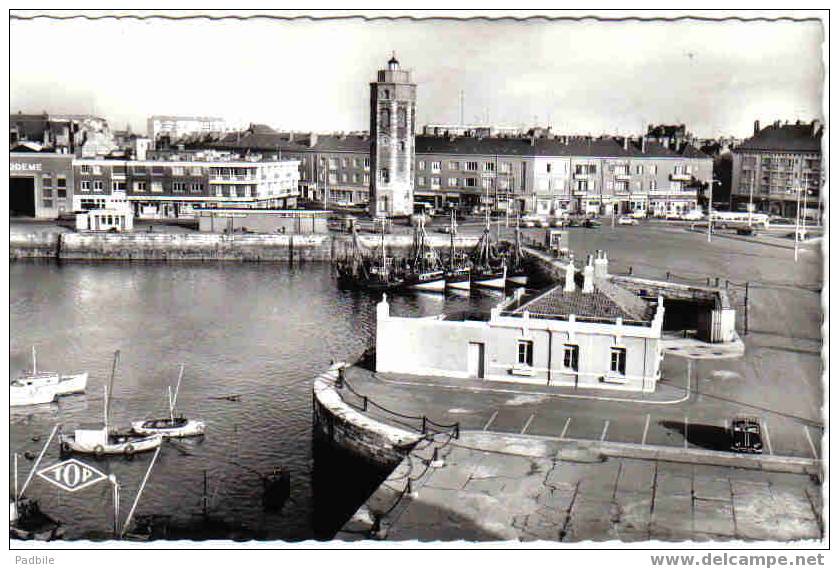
402, 118
385, 175
402, 145
385, 118
386, 94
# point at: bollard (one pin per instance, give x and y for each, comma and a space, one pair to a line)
457, 430
718, 282
424, 426
339, 383
668, 275
365, 403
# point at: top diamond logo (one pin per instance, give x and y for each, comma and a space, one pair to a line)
72, 475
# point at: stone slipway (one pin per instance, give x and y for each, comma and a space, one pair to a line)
491, 487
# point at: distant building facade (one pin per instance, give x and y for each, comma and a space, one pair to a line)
175, 187
773, 166
40, 184
392, 127
176, 127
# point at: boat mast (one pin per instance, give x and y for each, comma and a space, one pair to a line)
109, 390
174, 400
34, 362
452, 250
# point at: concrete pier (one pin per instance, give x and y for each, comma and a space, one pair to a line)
202, 246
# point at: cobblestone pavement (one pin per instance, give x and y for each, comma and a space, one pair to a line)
507, 487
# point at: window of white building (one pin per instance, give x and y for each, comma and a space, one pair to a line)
471, 166
618, 361
454, 165
525, 352
452, 182
435, 166
98, 185
571, 357
157, 187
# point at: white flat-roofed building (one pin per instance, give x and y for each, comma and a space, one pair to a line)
175, 187
598, 336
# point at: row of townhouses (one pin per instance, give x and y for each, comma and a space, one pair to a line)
779, 166
529, 175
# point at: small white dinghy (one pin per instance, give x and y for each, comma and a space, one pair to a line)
35, 388
100, 439
171, 426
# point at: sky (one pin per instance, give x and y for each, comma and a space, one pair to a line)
579, 77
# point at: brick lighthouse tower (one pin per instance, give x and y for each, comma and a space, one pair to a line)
392, 124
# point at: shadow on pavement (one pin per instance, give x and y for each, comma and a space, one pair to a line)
705, 436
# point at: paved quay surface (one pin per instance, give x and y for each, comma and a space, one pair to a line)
490, 487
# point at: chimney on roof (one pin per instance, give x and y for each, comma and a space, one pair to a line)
777, 124
815, 127
626, 143
313, 139
569, 277
588, 277
643, 144
601, 265
532, 140
757, 128
291, 136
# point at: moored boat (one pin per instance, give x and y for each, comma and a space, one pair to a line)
516, 272
171, 426
39, 387
100, 439
490, 277
489, 269
459, 278
423, 270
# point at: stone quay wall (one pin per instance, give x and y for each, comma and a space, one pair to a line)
340, 425
204, 247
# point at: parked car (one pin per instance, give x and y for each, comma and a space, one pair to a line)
745, 435
694, 215
558, 222
542, 222
591, 223
627, 220
638, 214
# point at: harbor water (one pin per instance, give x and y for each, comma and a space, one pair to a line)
251, 338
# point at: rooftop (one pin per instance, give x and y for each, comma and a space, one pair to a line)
607, 302
798, 137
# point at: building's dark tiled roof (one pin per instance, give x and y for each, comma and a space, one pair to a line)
561, 146
602, 303
281, 141
784, 138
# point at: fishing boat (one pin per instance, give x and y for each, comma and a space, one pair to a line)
424, 270
64, 384
458, 270
20, 396
516, 271
488, 269
367, 272
26, 519
100, 439
171, 426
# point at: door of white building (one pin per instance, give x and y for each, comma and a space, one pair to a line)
476, 360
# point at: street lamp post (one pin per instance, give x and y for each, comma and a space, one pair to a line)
797, 218
711, 205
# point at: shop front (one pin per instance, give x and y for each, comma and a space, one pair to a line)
40, 184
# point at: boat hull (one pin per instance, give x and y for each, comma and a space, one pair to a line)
459, 280
491, 279
69, 384
518, 279
23, 396
129, 446
191, 428
435, 281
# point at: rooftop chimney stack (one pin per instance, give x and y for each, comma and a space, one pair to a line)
626, 143
569, 278
313, 139
601, 265
643, 144
757, 127
816, 126
588, 277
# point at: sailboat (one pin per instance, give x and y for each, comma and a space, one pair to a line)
171, 426
488, 271
516, 272
373, 272
100, 439
458, 271
424, 271
37, 387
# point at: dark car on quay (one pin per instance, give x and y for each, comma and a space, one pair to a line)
745, 435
